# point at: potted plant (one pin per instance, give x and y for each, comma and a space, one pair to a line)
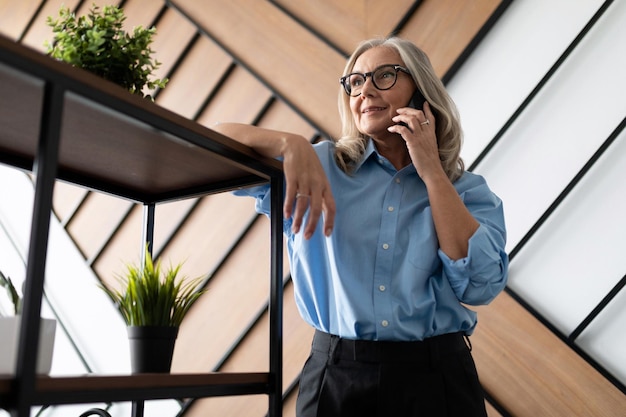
153, 302
10, 330
98, 43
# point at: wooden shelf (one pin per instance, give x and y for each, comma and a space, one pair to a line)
93, 389
64, 123
113, 141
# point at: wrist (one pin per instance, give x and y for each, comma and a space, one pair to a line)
289, 143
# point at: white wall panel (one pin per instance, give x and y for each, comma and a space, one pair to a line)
526, 41
562, 127
605, 338
578, 255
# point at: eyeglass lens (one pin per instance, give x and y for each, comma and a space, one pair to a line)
383, 77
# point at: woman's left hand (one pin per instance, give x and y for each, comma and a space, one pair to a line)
420, 137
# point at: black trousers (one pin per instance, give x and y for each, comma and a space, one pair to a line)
432, 378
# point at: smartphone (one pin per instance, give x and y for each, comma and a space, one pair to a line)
417, 102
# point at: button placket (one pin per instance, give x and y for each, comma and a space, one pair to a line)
383, 303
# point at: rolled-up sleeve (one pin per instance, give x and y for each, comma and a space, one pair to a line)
482, 274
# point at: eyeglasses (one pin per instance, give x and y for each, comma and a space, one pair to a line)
383, 78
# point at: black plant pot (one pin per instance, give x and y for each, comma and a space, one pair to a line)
151, 348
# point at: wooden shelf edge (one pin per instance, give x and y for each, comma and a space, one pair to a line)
112, 388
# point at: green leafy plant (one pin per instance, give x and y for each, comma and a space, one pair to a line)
12, 293
152, 296
98, 43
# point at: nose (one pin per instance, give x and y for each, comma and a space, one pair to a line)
367, 87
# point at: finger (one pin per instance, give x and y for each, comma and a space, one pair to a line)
290, 199
329, 214
303, 201
430, 116
315, 211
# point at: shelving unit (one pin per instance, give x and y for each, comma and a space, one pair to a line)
64, 123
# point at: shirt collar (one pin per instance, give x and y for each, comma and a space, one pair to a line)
370, 150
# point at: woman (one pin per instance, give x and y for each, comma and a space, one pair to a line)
409, 238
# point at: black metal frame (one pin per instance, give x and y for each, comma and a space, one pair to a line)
59, 80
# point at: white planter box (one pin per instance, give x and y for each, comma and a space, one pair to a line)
9, 336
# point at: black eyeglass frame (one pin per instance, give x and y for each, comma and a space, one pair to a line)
346, 87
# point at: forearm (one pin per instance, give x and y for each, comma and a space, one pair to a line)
267, 142
454, 223
307, 187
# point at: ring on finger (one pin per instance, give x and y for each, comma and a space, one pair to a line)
427, 122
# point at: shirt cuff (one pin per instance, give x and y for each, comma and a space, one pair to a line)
479, 276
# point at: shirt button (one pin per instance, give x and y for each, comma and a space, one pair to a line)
385, 323
382, 287
397, 180
390, 208
385, 246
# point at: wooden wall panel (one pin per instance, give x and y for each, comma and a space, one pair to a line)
443, 28
297, 64
345, 23
173, 35
383, 17
209, 233
264, 38
39, 31
138, 12
195, 78
66, 199
240, 98
124, 247
532, 372
491, 411
252, 355
342, 23
281, 117
15, 16
236, 293
98, 216
168, 218
248, 406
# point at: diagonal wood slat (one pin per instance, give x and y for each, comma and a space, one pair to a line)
296, 64
276, 63
519, 358
345, 23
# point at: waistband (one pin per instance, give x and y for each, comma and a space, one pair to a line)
388, 351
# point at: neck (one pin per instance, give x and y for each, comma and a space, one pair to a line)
394, 149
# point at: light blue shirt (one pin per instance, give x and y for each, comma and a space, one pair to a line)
381, 275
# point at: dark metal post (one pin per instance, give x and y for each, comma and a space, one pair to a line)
148, 229
148, 243
44, 170
276, 298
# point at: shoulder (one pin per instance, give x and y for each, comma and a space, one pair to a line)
468, 180
324, 146
325, 150
474, 186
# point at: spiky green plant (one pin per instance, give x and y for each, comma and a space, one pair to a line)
152, 296
12, 292
98, 43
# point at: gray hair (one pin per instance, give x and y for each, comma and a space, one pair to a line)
351, 145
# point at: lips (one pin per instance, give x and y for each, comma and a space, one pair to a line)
372, 109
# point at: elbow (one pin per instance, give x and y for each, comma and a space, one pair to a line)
484, 287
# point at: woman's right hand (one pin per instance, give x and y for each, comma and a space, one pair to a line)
307, 187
